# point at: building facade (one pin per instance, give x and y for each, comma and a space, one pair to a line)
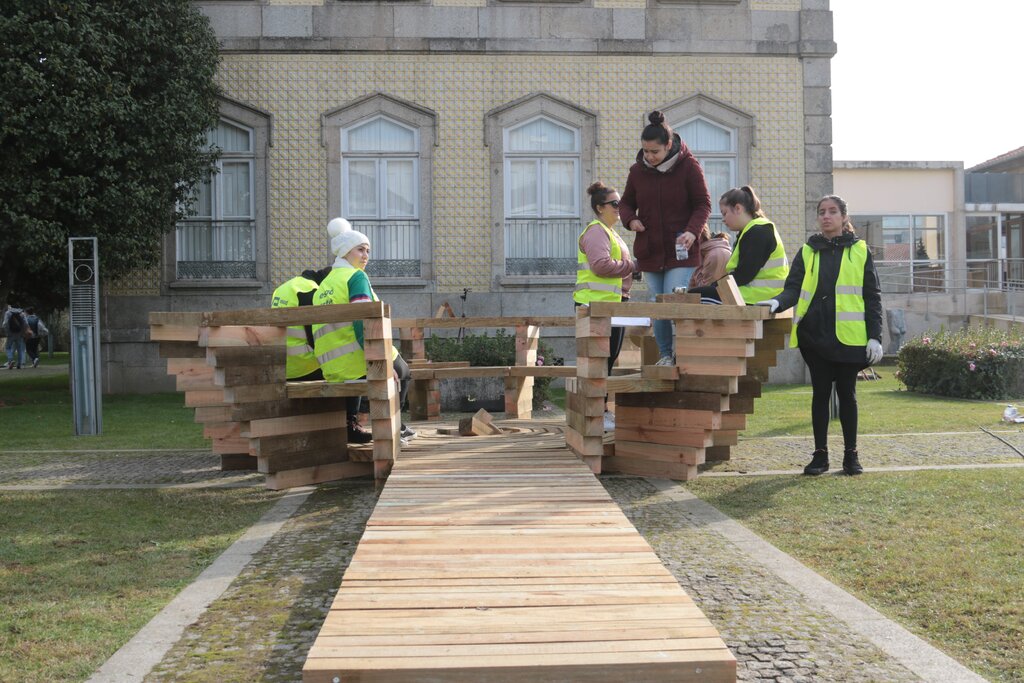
461, 135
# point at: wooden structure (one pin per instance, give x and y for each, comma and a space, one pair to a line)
504, 559
231, 366
670, 420
425, 392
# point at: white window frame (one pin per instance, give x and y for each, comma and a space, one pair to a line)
704, 156
542, 160
381, 160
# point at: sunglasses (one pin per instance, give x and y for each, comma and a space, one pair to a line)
614, 203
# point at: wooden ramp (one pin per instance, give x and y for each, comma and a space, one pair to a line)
504, 559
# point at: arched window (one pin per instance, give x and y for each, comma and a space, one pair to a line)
218, 240
714, 146
380, 151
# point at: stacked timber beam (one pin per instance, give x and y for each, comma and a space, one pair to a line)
231, 365
425, 391
670, 420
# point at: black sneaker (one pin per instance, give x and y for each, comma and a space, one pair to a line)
851, 463
818, 464
356, 434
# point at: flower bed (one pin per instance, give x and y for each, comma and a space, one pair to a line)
976, 362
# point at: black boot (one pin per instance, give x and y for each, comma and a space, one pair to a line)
356, 434
818, 464
851, 464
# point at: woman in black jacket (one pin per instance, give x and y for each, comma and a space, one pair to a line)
837, 324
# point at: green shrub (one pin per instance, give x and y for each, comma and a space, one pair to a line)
976, 362
482, 350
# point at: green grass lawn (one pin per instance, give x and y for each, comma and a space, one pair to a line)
36, 413
885, 408
82, 571
939, 552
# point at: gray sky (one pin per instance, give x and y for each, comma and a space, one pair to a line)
927, 80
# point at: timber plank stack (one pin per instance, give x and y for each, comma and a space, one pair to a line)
233, 374
483, 563
670, 420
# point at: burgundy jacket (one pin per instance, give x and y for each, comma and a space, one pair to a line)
668, 199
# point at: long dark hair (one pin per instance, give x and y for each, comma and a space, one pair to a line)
841, 203
745, 197
657, 129
599, 192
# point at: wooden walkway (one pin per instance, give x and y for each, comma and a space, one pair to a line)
504, 559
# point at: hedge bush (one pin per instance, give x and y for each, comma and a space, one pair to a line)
483, 350
975, 362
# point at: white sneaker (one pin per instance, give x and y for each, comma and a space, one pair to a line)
408, 433
609, 421
666, 361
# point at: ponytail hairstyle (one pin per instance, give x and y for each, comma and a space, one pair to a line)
841, 203
745, 197
657, 129
599, 192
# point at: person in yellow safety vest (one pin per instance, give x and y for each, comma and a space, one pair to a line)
339, 346
837, 324
301, 365
758, 263
604, 270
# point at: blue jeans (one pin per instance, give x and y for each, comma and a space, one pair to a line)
15, 348
663, 283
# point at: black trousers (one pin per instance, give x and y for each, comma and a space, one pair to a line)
824, 373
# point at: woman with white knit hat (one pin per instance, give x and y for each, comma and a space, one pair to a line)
339, 346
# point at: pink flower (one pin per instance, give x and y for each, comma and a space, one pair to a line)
973, 345
971, 366
540, 360
926, 340
1003, 344
993, 352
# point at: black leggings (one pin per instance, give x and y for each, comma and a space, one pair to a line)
823, 373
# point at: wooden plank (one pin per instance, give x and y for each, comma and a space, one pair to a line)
296, 316
236, 375
650, 468
729, 292
293, 424
243, 335
174, 333
230, 356
295, 451
696, 365
668, 311
543, 371
307, 476
690, 400
634, 384
255, 393
486, 322
670, 417
182, 349
669, 436
670, 453
324, 389
720, 329
711, 346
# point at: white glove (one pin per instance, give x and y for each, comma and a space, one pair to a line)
772, 304
874, 351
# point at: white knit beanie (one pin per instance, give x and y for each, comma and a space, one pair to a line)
343, 238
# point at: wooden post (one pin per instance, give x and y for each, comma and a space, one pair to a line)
385, 420
519, 390
584, 413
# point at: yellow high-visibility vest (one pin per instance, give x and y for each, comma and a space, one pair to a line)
770, 280
337, 349
589, 285
301, 360
851, 326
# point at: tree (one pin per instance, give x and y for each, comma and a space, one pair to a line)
103, 117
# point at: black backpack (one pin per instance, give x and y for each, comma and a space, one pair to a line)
15, 324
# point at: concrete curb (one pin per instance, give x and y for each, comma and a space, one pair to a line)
911, 651
149, 646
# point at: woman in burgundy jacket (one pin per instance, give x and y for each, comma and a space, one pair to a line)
666, 203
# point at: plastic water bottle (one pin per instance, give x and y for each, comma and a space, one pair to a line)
682, 253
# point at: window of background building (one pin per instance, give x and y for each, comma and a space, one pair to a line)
715, 147
983, 251
542, 190
909, 250
218, 239
380, 182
